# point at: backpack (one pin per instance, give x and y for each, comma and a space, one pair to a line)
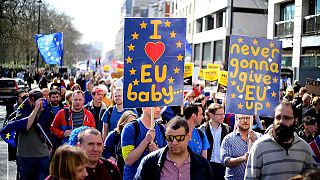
59, 141
137, 129
110, 110
118, 151
112, 170
200, 134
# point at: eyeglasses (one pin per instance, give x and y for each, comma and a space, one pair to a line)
171, 138
287, 118
244, 118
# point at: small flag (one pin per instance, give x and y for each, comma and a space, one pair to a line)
50, 47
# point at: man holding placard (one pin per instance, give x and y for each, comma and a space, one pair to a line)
234, 148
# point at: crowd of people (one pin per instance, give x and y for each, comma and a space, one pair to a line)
80, 130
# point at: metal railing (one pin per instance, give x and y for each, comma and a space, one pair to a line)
284, 28
311, 24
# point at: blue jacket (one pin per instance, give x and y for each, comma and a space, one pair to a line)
152, 164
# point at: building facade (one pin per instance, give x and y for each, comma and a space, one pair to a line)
297, 24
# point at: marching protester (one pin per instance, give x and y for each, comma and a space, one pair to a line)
176, 160
280, 154
234, 148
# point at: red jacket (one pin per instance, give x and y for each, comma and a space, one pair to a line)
59, 124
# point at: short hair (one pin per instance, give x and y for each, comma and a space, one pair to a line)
306, 96
65, 161
290, 104
77, 92
90, 130
308, 120
53, 92
178, 122
213, 107
191, 108
76, 84
315, 101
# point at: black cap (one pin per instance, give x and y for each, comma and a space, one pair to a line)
35, 95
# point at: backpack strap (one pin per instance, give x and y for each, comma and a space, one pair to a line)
67, 115
110, 110
111, 168
136, 130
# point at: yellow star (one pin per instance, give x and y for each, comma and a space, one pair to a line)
240, 106
233, 83
273, 94
131, 47
179, 44
129, 60
167, 23
135, 36
275, 80
173, 34
271, 45
176, 70
143, 25
171, 80
268, 105
240, 40
135, 82
179, 57
8, 136
233, 95
255, 41
132, 71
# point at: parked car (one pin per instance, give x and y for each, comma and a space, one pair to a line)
9, 88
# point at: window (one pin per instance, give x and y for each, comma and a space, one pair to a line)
314, 7
187, 11
190, 8
218, 51
310, 61
210, 22
207, 51
189, 28
197, 52
286, 61
199, 25
287, 11
219, 19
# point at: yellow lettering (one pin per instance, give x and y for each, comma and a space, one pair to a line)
132, 96
155, 29
235, 63
266, 79
257, 77
263, 96
244, 63
243, 79
254, 51
265, 52
168, 94
144, 74
164, 73
249, 106
245, 50
274, 67
237, 48
143, 96
255, 63
258, 106
249, 92
266, 65
275, 50
155, 96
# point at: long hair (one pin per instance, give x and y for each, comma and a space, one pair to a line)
66, 160
123, 119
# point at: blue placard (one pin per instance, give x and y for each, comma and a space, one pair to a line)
154, 51
254, 67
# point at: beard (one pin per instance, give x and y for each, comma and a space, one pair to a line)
283, 133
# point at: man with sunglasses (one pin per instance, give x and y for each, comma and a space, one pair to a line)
176, 160
281, 153
234, 148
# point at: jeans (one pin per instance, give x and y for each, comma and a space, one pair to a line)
33, 168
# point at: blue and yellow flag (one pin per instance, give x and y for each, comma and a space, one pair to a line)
154, 51
50, 47
254, 74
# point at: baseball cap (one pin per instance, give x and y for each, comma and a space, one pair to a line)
35, 95
97, 90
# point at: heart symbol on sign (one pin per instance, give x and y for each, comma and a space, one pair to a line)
154, 50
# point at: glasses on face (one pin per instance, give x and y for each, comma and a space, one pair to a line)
285, 117
244, 118
179, 138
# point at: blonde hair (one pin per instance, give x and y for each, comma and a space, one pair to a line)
66, 160
124, 117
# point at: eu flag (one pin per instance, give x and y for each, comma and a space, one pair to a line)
50, 47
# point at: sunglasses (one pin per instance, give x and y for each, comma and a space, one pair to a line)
179, 138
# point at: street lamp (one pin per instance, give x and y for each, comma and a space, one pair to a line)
39, 2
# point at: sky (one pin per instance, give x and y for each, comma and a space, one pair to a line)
97, 20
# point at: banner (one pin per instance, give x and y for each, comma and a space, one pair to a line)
154, 51
210, 77
213, 66
222, 84
188, 72
50, 47
313, 86
254, 74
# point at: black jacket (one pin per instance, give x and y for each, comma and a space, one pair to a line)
225, 130
151, 166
